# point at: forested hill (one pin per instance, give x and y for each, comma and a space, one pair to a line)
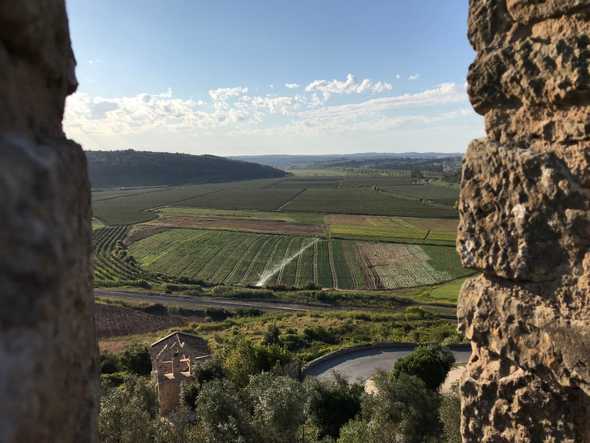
141, 168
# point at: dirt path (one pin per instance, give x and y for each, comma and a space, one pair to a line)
290, 200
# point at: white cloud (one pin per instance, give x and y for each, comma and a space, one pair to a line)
442, 94
398, 76
348, 86
223, 94
414, 77
292, 85
232, 112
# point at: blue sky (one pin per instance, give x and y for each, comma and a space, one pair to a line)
262, 77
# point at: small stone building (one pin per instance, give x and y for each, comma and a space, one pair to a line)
173, 359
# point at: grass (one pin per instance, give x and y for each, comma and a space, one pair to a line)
96, 224
312, 334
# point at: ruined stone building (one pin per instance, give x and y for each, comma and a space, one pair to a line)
173, 359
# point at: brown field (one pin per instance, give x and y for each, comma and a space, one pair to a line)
438, 224
235, 224
399, 265
116, 321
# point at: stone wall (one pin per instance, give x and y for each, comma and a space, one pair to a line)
48, 352
525, 222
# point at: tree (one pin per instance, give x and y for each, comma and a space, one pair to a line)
127, 413
403, 409
241, 358
136, 359
221, 414
277, 405
429, 363
333, 404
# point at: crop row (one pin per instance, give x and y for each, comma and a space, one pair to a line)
112, 263
238, 258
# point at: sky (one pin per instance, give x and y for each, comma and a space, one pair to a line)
246, 77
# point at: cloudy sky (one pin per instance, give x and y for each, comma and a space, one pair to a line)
271, 76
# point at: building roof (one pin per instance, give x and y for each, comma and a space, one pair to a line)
188, 344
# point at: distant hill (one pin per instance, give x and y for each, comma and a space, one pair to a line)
311, 161
129, 168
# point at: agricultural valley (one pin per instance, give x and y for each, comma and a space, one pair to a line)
321, 238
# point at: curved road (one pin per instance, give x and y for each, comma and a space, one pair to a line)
363, 364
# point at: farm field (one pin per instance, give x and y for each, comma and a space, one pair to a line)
439, 194
409, 229
112, 262
239, 258
364, 201
113, 321
365, 195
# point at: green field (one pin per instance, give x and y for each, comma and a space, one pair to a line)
364, 201
344, 231
393, 196
112, 264
237, 258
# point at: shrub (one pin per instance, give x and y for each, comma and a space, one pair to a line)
189, 394
127, 413
207, 371
217, 314
277, 406
272, 335
331, 405
293, 342
249, 312
221, 413
319, 333
109, 363
113, 380
241, 358
403, 409
429, 363
136, 359
156, 309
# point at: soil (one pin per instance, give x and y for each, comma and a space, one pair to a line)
116, 321
247, 225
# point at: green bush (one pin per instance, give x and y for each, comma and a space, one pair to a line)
109, 363
221, 413
217, 314
429, 363
136, 360
128, 413
403, 409
277, 405
333, 404
272, 335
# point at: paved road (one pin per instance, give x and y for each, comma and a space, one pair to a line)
361, 365
199, 302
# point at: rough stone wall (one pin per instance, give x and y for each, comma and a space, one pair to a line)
48, 351
525, 222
